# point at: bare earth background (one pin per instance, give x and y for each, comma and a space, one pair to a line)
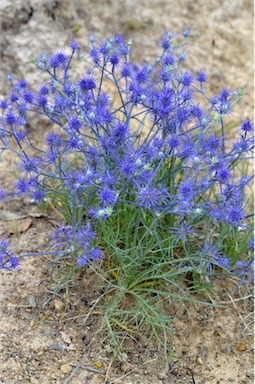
43, 336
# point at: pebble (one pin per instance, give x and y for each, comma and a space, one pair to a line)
200, 361
226, 349
94, 380
32, 301
250, 373
108, 348
32, 323
33, 380
241, 347
162, 375
99, 364
59, 305
125, 367
66, 368
10, 307
123, 357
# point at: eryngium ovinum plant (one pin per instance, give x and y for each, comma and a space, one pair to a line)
138, 164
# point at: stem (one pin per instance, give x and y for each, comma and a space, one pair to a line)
138, 220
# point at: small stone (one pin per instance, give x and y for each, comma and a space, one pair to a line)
226, 349
3, 336
33, 380
200, 361
66, 368
99, 364
108, 348
32, 323
10, 307
162, 375
250, 373
32, 301
125, 367
59, 305
123, 357
241, 347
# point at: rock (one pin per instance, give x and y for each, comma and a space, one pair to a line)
123, 357
125, 367
32, 301
200, 361
226, 349
250, 373
59, 305
99, 364
66, 368
32, 323
162, 376
33, 380
241, 347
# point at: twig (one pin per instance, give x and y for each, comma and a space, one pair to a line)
246, 328
131, 371
89, 368
92, 309
239, 299
108, 369
241, 317
78, 316
60, 347
85, 358
192, 374
55, 210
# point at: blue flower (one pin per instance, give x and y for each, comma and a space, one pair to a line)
201, 76
186, 190
30, 165
247, 126
28, 97
74, 124
107, 196
235, 215
10, 118
74, 45
114, 59
22, 186
223, 175
150, 197
87, 84
185, 78
173, 142
96, 254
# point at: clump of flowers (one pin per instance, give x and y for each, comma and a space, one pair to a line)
132, 146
